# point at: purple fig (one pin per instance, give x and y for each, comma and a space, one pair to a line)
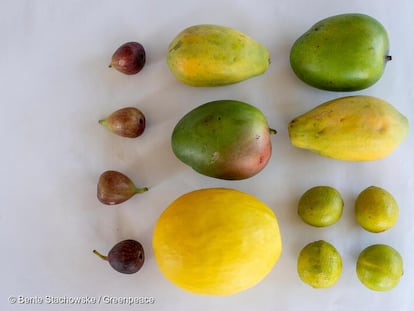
115, 188
125, 257
126, 122
129, 58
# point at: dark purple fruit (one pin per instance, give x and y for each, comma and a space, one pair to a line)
126, 256
114, 188
129, 58
126, 122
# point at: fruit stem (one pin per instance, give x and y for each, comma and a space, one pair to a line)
100, 255
272, 131
141, 190
388, 58
102, 121
110, 65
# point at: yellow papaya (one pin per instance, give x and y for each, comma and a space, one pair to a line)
352, 128
214, 55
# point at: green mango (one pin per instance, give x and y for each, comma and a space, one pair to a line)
214, 55
225, 139
346, 52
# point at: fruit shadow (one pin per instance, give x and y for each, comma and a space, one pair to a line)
291, 96
152, 154
158, 163
290, 224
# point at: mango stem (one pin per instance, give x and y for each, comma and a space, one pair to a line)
388, 58
272, 131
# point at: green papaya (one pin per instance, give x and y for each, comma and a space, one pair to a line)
352, 128
214, 55
225, 139
346, 52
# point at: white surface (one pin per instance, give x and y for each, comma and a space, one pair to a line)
56, 85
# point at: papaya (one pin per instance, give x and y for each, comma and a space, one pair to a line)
215, 55
225, 139
352, 128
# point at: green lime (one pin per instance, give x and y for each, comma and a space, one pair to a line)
319, 264
376, 210
379, 267
320, 206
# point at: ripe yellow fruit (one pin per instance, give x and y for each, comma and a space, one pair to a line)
376, 210
216, 241
352, 128
319, 264
215, 55
379, 267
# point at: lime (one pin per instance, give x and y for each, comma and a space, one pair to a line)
319, 264
216, 241
320, 206
379, 267
376, 210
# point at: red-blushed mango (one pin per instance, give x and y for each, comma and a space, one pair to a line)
225, 139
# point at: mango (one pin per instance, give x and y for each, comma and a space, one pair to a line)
214, 55
352, 128
346, 52
225, 139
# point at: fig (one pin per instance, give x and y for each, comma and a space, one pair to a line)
125, 257
129, 58
125, 122
115, 188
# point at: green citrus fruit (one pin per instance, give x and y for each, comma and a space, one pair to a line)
319, 264
216, 241
379, 267
320, 206
376, 210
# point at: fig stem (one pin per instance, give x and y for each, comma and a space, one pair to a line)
141, 190
103, 257
272, 131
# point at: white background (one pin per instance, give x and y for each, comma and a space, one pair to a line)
56, 84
